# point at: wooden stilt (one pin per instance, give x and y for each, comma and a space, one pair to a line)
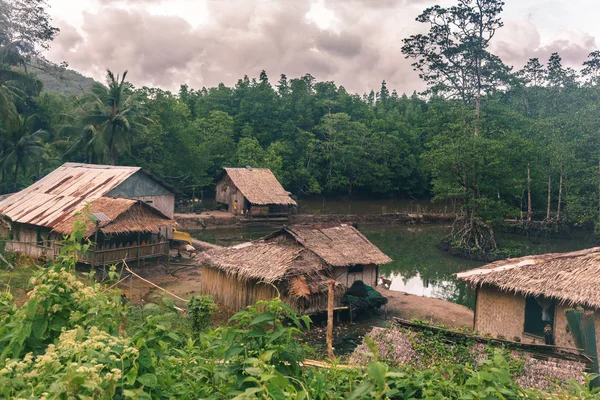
329, 339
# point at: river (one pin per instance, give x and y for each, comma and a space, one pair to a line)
419, 267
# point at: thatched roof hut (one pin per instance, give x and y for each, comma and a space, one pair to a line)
259, 186
571, 278
117, 216
253, 192
294, 262
525, 298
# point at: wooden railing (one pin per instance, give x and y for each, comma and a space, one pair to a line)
107, 256
94, 256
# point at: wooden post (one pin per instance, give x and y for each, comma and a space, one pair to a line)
331, 285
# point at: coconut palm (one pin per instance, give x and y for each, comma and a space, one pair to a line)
23, 149
112, 115
14, 85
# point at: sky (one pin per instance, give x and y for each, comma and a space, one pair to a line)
355, 43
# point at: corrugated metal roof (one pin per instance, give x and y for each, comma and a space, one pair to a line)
65, 190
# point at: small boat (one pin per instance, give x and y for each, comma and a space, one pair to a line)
179, 236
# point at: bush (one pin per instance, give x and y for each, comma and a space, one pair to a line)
200, 309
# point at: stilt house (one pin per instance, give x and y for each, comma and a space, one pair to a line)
130, 209
254, 192
295, 262
520, 298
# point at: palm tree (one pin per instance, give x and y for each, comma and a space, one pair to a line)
24, 149
112, 116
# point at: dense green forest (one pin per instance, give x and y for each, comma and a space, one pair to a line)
476, 135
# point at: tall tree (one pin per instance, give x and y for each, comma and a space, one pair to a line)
454, 61
113, 114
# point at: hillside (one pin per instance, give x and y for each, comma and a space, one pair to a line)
61, 80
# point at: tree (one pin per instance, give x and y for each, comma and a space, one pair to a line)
25, 31
591, 70
14, 86
533, 73
113, 115
453, 60
23, 150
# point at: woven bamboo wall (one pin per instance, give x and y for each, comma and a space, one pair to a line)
237, 295
368, 275
231, 292
499, 313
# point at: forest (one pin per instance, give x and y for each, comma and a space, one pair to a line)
500, 142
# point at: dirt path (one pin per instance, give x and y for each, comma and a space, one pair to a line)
437, 311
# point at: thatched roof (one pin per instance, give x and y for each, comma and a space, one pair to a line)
338, 246
259, 186
572, 278
122, 216
265, 261
300, 271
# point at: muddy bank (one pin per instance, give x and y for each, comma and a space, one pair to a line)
217, 219
436, 311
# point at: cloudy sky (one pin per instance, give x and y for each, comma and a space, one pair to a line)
355, 43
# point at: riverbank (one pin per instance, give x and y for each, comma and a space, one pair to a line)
222, 219
184, 280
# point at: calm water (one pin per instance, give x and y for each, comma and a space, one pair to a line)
419, 267
321, 205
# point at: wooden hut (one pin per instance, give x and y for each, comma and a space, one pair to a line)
254, 192
35, 213
295, 262
519, 298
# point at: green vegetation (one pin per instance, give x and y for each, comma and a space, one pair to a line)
73, 339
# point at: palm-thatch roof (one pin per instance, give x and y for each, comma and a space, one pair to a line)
259, 186
115, 216
339, 246
571, 278
303, 272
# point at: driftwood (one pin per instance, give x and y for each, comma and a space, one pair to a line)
539, 351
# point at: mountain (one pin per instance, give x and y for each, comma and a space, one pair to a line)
57, 79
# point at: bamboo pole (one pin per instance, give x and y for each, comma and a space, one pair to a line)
329, 339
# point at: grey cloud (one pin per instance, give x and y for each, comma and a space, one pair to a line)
68, 38
245, 37
519, 41
343, 45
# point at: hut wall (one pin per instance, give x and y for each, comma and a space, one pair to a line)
25, 240
562, 336
231, 292
345, 275
227, 193
140, 186
237, 295
499, 313
165, 204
